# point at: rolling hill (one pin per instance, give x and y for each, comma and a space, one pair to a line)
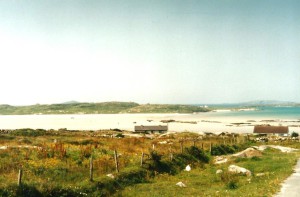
98, 108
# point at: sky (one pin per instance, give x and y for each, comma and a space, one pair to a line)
154, 51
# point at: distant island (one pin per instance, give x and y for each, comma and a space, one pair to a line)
74, 107
99, 108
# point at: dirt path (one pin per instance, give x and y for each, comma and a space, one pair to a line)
290, 186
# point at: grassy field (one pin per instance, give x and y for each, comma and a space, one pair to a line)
204, 181
57, 163
98, 108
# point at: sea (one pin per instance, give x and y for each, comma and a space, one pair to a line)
278, 112
218, 121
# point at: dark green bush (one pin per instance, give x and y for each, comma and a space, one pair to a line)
198, 154
20, 191
223, 149
294, 134
29, 132
232, 185
155, 164
120, 135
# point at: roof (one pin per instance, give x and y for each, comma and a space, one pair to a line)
270, 129
151, 128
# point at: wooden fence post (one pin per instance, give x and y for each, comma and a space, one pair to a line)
142, 159
91, 168
20, 177
116, 161
181, 146
210, 145
153, 147
171, 156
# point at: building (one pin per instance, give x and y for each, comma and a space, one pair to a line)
151, 129
271, 130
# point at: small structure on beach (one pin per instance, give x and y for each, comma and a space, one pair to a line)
271, 130
151, 129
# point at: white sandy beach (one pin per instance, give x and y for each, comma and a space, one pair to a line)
202, 122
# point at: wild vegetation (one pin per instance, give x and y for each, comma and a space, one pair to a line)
58, 163
98, 108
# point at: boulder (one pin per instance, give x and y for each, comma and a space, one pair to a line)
180, 184
239, 170
110, 176
188, 168
219, 171
248, 153
220, 160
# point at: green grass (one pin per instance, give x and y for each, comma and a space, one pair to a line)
204, 181
62, 168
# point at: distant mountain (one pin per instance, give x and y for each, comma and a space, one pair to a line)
268, 103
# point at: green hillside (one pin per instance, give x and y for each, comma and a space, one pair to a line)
155, 108
98, 108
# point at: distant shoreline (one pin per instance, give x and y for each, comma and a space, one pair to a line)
216, 122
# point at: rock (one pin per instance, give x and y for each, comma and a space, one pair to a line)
110, 176
281, 148
260, 174
238, 170
188, 168
3, 147
220, 160
219, 171
180, 184
163, 142
248, 153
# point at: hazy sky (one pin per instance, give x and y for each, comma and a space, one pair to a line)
150, 51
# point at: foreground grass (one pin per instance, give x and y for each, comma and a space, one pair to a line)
56, 163
276, 165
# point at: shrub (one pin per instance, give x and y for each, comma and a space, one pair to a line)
223, 149
29, 132
20, 191
230, 180
155, 164
198, 154
232, 185
294, 134
120, 135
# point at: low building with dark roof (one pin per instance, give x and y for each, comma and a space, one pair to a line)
151, 129
271, 130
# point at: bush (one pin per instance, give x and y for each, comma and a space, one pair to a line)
155, 164
294, 134
29, 132
223, 149
120, 135
198, 154
230, 180
232, 185
20, 191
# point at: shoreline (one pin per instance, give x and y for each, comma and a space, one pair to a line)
199, 123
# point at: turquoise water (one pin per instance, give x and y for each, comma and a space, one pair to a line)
274, 112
